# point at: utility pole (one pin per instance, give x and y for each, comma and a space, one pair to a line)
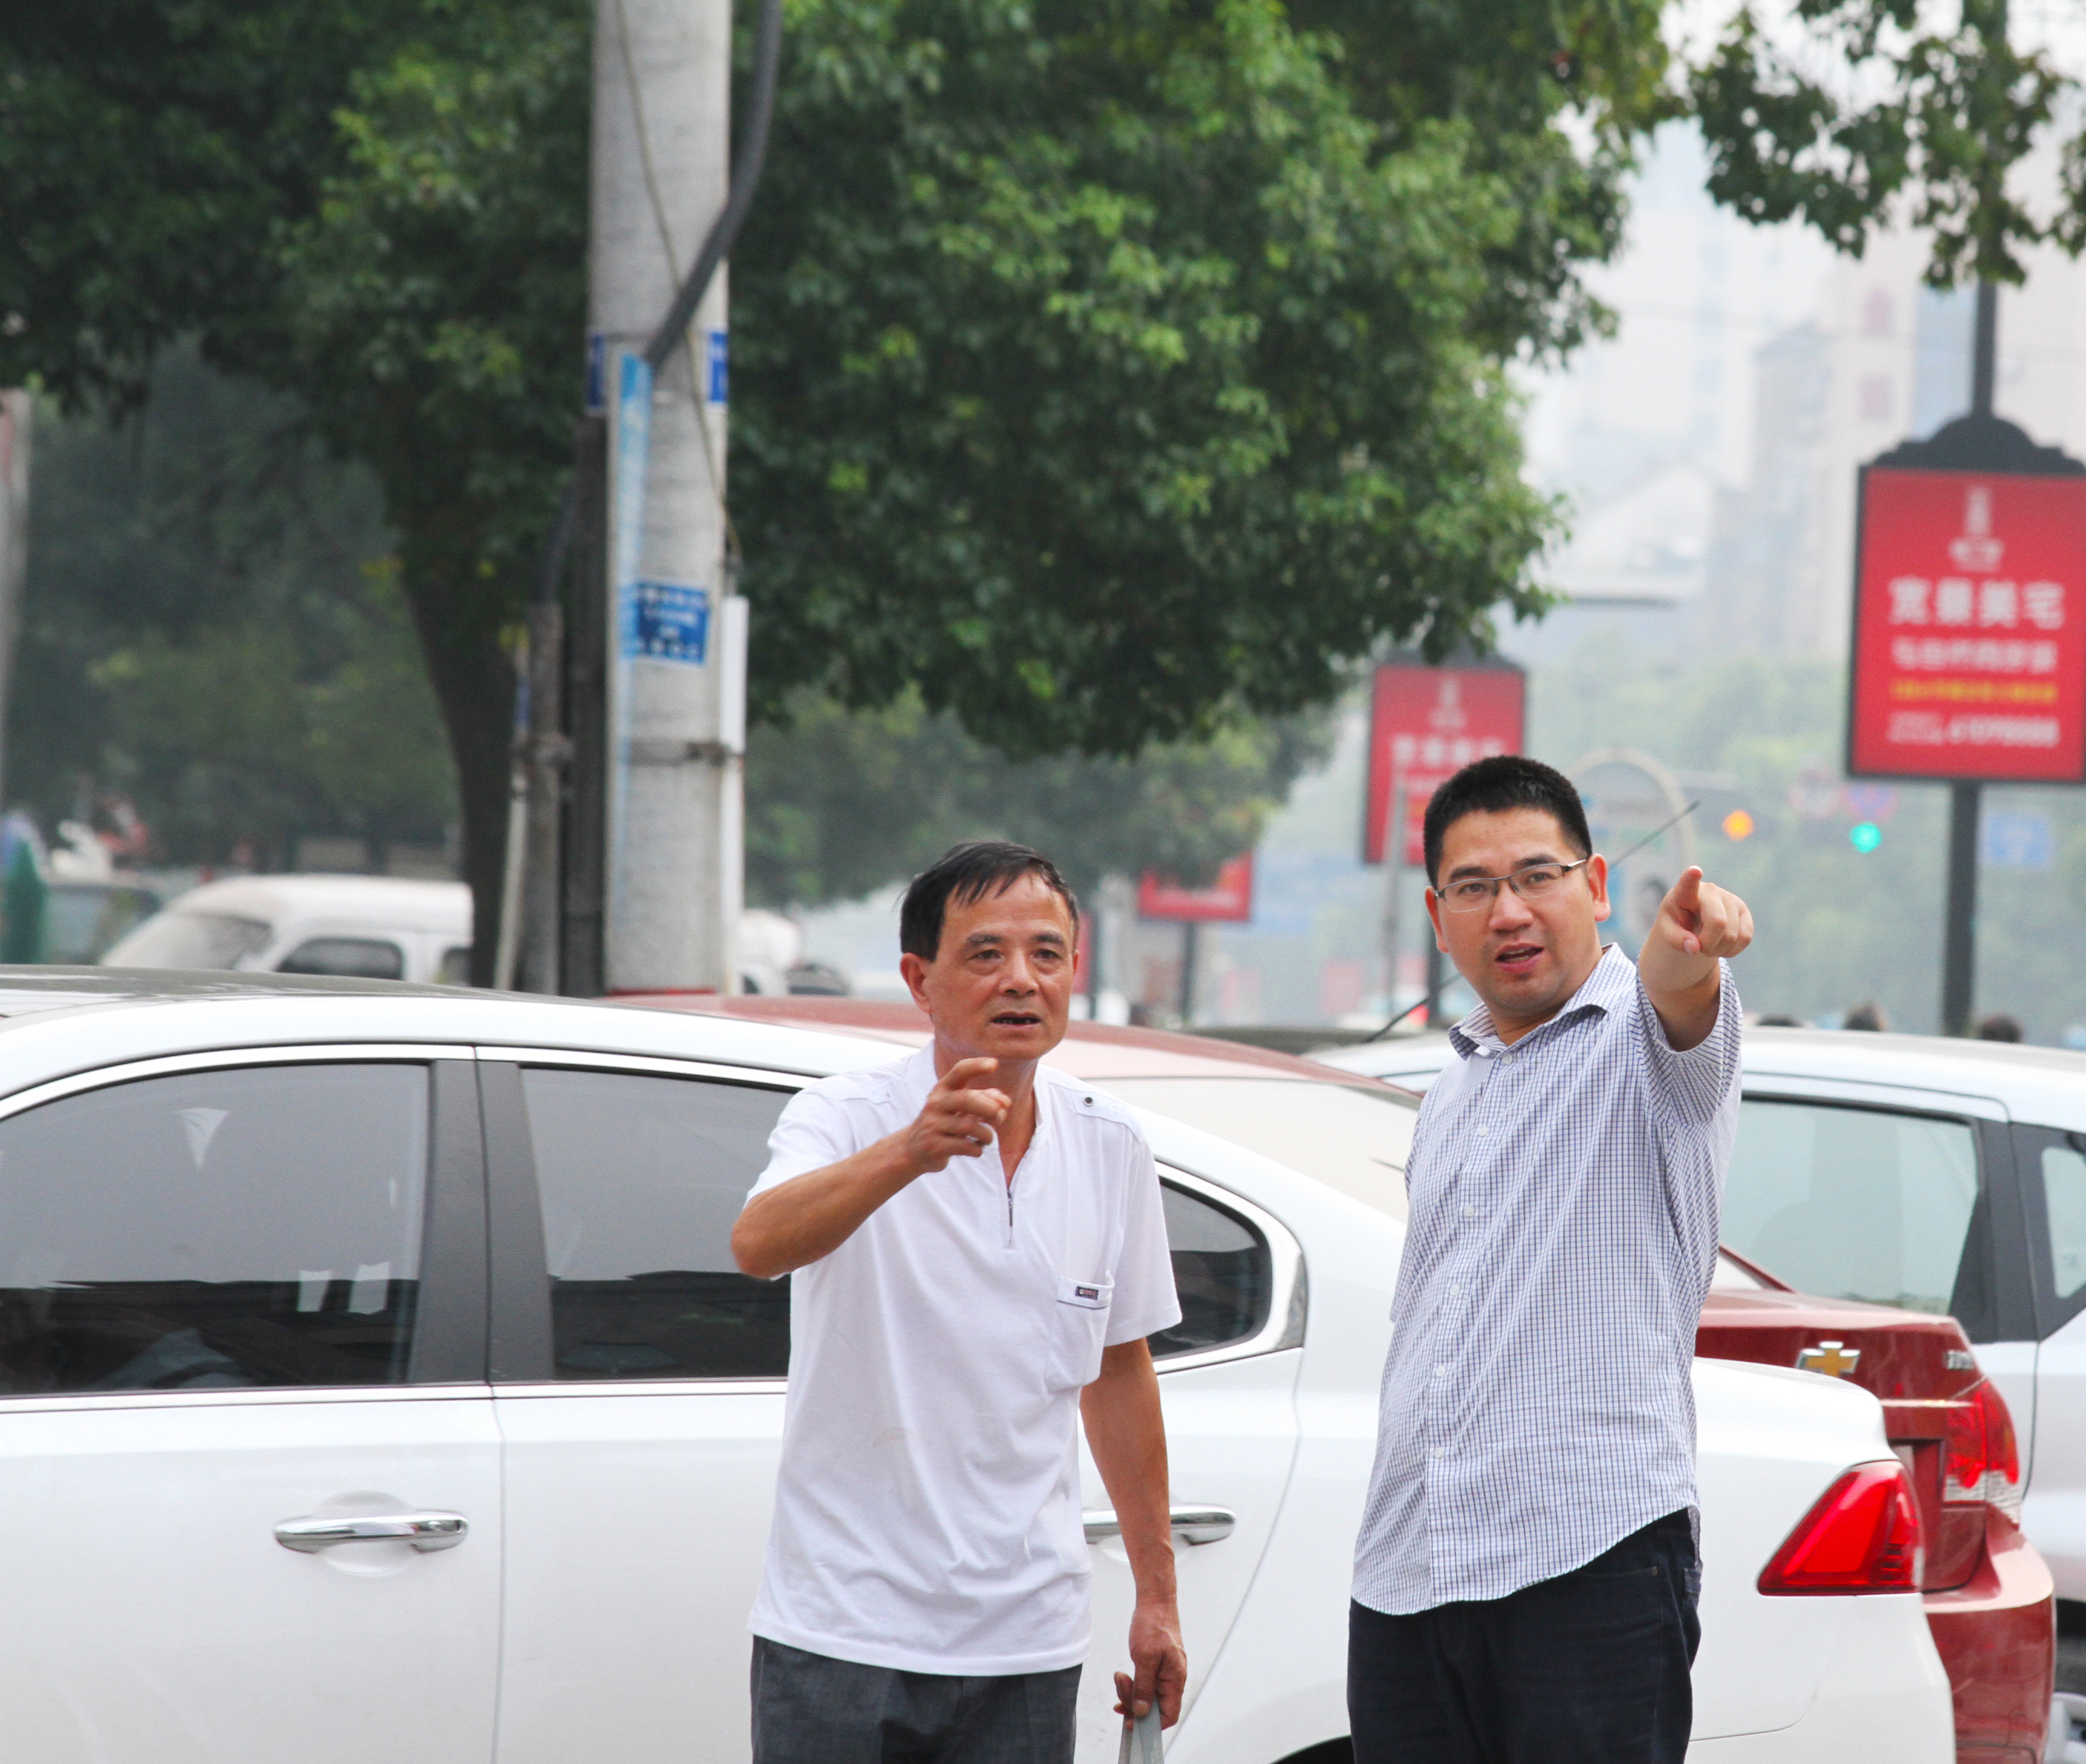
1959, 942
671, 869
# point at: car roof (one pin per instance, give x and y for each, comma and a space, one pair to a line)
1090, 1050
395, 901
29, 991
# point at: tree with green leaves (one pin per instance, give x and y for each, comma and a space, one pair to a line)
1853, 114
213, 628
1106, 372
839, 803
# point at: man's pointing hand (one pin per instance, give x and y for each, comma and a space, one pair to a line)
1698, 922
959, 1118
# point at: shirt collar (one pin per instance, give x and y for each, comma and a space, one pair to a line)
1609, 985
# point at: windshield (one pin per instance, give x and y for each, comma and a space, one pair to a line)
189, 940
1353, 1137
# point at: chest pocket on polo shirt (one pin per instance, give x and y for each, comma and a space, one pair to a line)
1077, 1326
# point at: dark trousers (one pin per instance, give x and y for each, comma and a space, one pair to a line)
1590, 1668
808, 1709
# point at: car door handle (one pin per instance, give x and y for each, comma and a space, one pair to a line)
1195, 1524
423, 1531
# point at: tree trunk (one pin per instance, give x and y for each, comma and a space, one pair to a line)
457, 616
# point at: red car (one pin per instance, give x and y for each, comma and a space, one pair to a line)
1990, 1602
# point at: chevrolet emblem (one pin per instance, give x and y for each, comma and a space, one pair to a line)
1835, 1359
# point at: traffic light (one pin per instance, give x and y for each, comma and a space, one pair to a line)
1738, 825
1865, 836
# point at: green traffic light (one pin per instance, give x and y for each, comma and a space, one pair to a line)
1865, 835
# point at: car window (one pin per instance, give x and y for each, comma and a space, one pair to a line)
1222, 1270
1354, 1136
2051, 1163
1854, 1203
2064, 1199
191, 940
454, 967
212, 1229
370, 959
641, 1179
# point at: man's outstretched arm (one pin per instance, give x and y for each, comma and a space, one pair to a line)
1697, 924
798, 1222
1127, 1433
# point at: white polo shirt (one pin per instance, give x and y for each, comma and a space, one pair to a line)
927, 1505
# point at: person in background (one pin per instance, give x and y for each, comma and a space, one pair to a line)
1998, 1026
979, 1254
1526, 1573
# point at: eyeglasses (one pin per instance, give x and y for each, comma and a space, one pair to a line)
1475, 892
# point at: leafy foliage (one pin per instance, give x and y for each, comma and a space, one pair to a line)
1868, 110
840, 803
1106, 372
213, 627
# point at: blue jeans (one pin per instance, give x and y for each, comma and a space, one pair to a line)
809, 1709
1590, 1668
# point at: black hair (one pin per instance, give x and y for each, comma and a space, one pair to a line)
1497, 785
966, 872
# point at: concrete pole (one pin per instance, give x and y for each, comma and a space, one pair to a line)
661, 163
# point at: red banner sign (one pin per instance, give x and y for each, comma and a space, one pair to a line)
1969, 651
1427, 723
1227, 900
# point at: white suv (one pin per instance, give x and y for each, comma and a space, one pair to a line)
376, 1383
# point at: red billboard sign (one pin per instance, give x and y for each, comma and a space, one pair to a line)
1227, 900
1969, 648
1426, 724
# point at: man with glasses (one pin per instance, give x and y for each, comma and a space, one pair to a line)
1526, 1573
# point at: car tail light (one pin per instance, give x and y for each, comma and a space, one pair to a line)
1981, 1461
1862, 1536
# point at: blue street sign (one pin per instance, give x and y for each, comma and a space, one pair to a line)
720, 366
2016, 840
667, 622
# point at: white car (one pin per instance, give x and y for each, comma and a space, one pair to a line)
1412, 1062
380, 927
385, 927
378, 1385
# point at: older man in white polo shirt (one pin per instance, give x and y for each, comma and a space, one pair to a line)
979, 1254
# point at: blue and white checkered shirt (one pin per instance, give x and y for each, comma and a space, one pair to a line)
1537, 1407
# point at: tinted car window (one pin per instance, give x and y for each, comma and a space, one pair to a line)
2064, 1197
1222, 1270
642, 1179
370, 959
1853, 1203
214, 1230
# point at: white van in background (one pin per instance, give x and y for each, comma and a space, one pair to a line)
383, 928
379, 927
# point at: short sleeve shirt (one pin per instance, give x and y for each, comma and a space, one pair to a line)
1537, 1404
927, 1502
